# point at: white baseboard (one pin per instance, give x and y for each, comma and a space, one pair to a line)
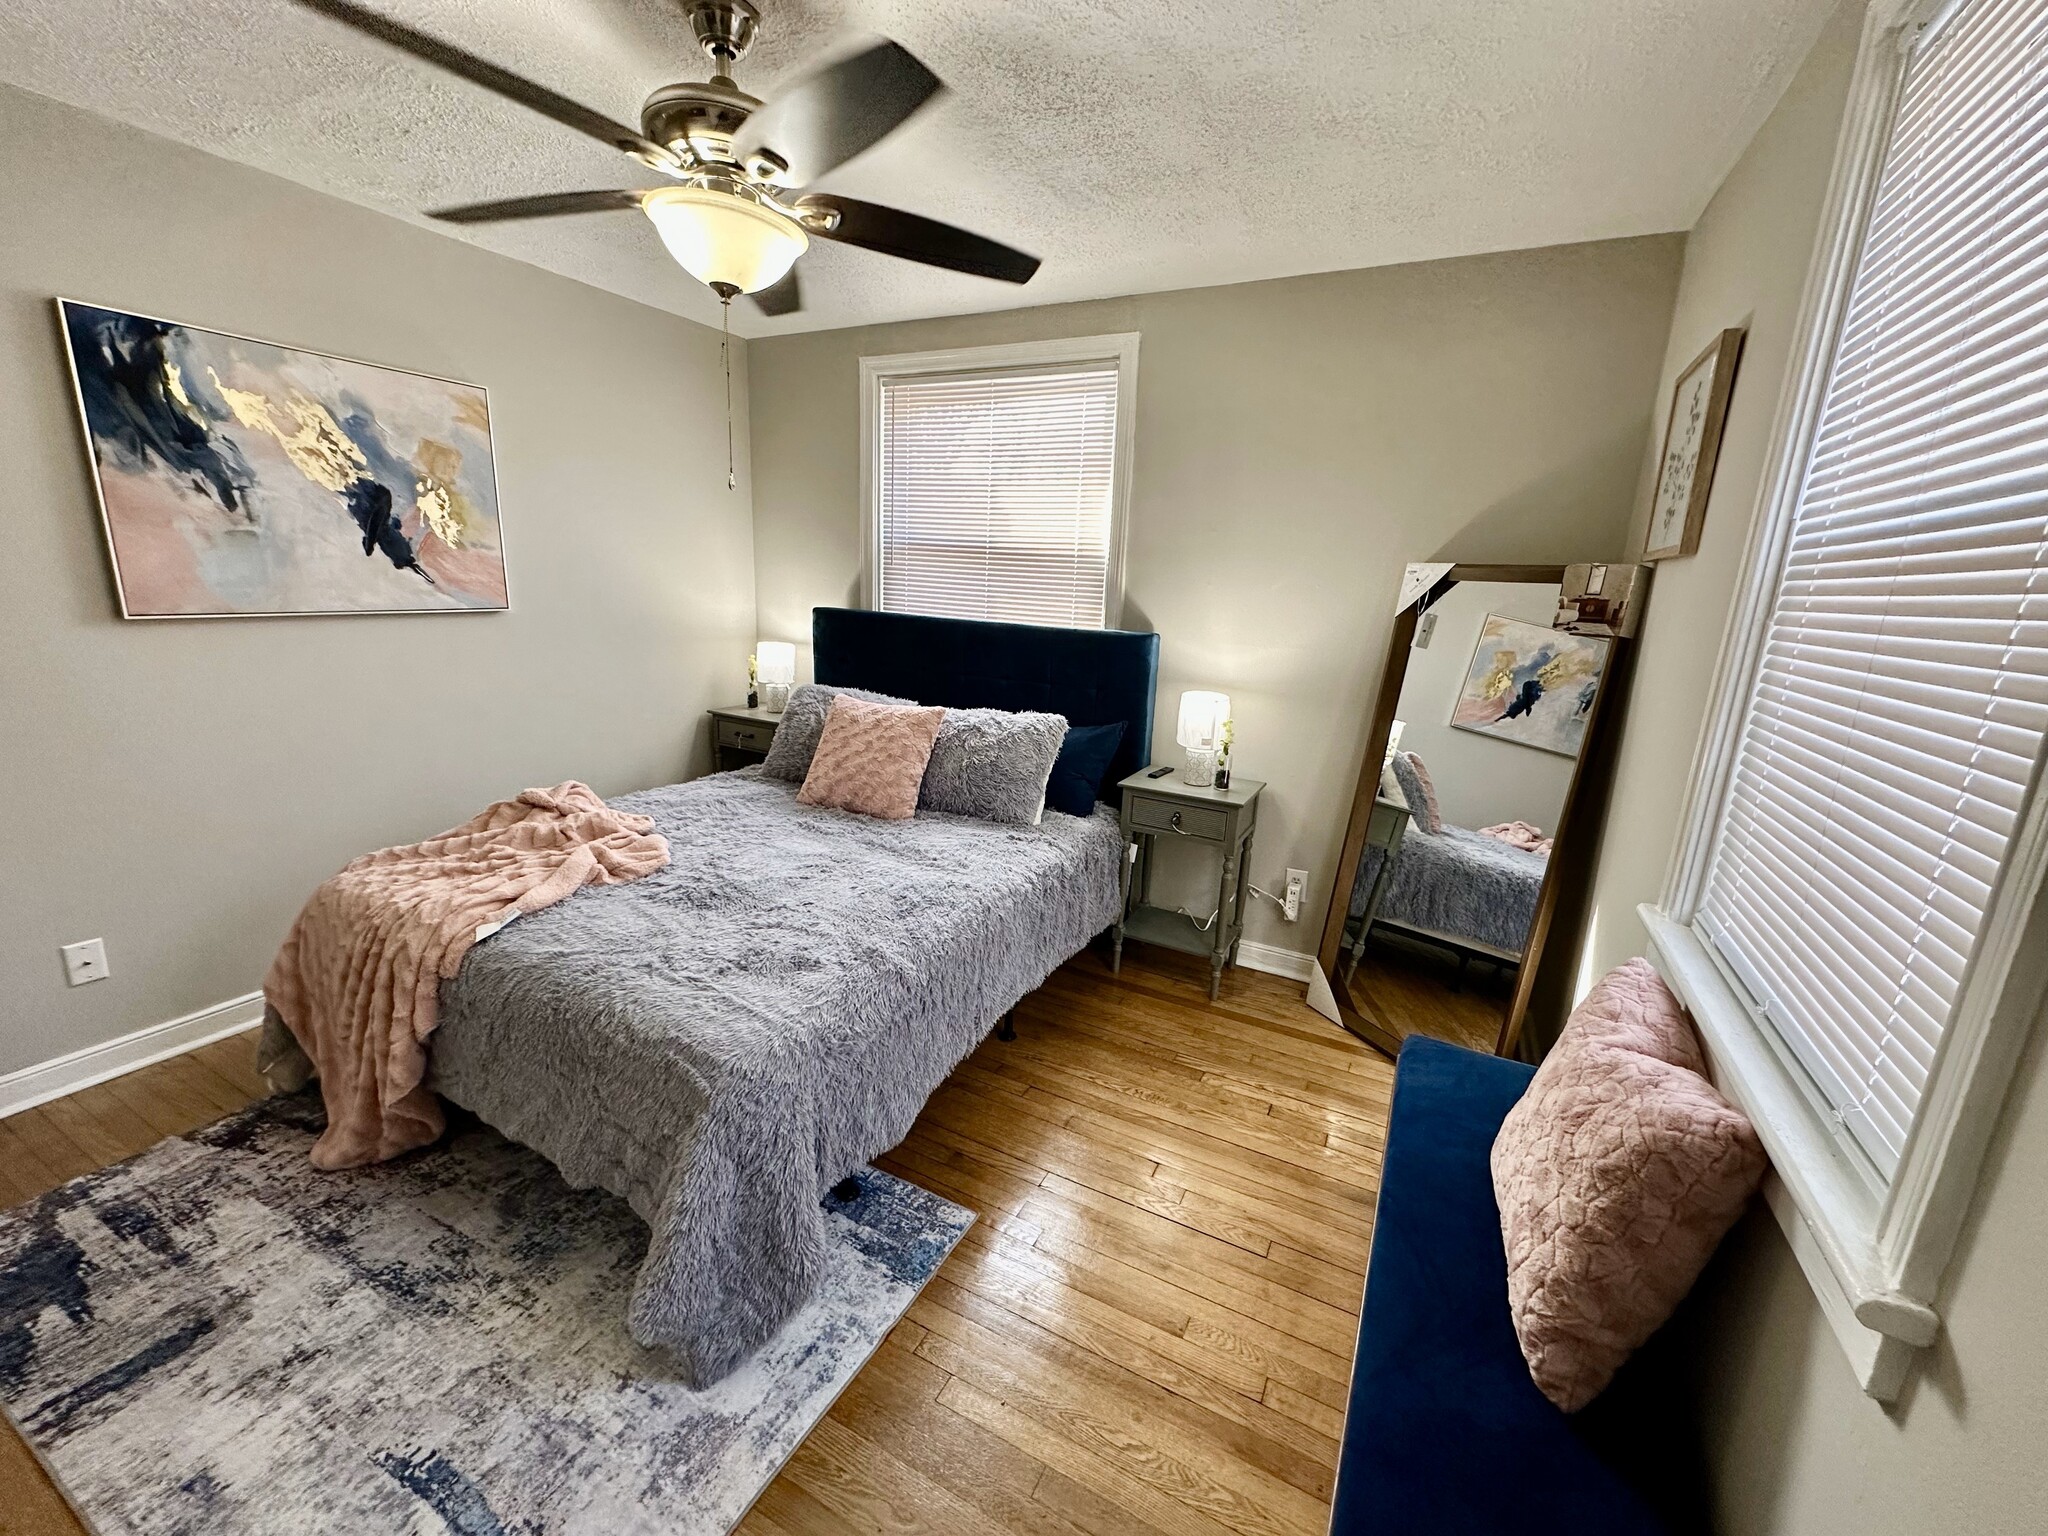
60, 1075
1275, 961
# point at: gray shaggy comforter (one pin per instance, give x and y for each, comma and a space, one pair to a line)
721, 1042
1458, 882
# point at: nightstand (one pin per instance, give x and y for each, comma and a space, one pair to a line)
740, 736
1217, 820
1384, 830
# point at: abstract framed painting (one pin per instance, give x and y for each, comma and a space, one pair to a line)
239, 477
1531, 685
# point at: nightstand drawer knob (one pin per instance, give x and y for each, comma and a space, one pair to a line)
1173, 821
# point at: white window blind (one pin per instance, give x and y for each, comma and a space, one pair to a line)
1898, 711
996, 494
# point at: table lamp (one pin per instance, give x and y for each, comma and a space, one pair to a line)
777, 660
1202, 718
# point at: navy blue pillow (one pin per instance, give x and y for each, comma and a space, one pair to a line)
1077, 772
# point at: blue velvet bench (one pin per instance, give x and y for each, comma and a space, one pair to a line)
1446, 1433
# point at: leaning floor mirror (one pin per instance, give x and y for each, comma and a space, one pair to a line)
1463, 873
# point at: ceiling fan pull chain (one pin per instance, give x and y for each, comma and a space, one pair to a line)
725, 357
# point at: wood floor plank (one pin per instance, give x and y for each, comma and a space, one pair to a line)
46, 1136
1147, 1333
1106, 1478
28, 1166
870, 1489
1060, 1066
894, 1404
1134, 1245
1086, 1509
234, 1058
1328, 1283
788, 1507
1300, 1406
1109, 1422
1207, 1380
97, 1121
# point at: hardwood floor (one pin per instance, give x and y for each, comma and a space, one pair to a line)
1407, 987
1149, 1331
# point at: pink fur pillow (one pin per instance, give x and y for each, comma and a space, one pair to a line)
1617, 1175
871, 758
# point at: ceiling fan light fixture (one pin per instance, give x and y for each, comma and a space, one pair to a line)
725, 241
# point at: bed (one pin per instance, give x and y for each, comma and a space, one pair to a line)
722, 1042
1459, 888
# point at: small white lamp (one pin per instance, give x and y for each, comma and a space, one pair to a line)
777, 661
1202, 718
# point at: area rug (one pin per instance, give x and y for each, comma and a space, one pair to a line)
213, 1337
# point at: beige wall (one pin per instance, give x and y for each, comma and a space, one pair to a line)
179, 787
1297, 442
1793, 1448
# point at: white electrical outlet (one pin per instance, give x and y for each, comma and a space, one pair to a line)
86, 961
1297, 883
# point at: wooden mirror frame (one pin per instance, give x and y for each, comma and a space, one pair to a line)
1572, 844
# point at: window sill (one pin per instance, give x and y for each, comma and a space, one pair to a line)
1822, 1201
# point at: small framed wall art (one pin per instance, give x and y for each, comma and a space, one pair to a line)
240, 477
1692, 442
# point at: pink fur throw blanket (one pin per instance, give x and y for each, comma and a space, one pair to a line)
1521, 834
358, 979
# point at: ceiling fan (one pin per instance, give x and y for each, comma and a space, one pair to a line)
735, 214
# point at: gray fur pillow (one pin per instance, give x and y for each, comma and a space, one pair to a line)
992, 764
803, 722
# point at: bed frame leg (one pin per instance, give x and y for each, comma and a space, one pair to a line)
846, 1189
1006, 1026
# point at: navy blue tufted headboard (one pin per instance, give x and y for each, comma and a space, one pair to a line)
1092, 676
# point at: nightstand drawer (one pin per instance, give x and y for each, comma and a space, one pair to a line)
1188, 820
746, 737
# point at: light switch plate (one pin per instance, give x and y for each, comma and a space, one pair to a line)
85, 961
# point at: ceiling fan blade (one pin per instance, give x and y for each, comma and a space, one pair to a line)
481, 72
827, 118
896, 233
546, 205
780, 298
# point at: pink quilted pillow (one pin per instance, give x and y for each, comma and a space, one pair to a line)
871, 758
1617, 1175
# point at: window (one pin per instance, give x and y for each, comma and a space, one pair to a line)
1902, 692
1866, 841
996, 480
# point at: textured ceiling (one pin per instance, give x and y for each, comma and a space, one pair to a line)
1136, 145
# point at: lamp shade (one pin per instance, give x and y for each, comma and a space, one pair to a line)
1201, 720
721, 239
775, 661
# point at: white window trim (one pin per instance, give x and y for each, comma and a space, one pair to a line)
1120, 347
1874, 1256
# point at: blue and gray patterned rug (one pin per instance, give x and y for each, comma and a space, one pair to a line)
215, 1338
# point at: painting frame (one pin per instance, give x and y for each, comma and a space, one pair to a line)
1692, 448
109, 517
1489, 702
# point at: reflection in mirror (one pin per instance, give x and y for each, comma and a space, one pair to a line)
1489, 723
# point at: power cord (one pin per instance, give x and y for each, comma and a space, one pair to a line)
1203, 925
